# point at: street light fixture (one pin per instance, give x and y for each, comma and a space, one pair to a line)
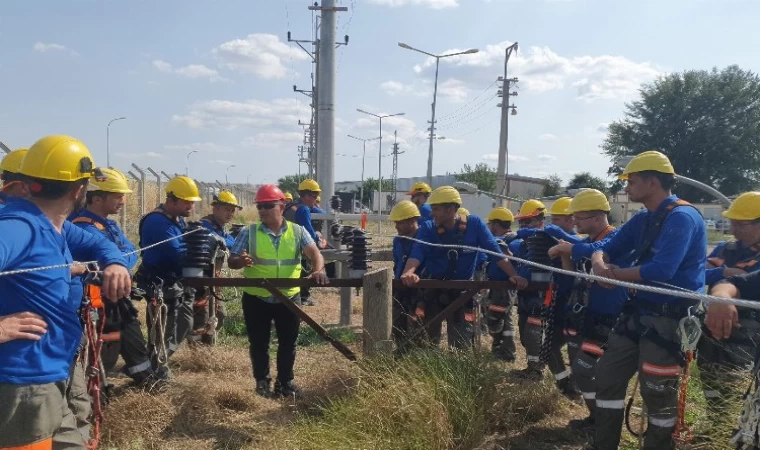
108, 140
364, 155
227, 174
435, 97
380, 158
187, 163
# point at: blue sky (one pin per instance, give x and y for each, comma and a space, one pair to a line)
217, 77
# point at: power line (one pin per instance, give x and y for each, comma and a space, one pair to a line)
483, 104
465, 105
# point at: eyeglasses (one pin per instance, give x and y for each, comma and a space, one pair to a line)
311, 194
261, 206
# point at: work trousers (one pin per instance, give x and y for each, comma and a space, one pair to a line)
179, 320
646, 344
458, 329
500, 323
127, 340
531, 326
593, 341
405, 322
258, 316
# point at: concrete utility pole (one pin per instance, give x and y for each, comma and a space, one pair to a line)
435, 97
502, 171
326, 69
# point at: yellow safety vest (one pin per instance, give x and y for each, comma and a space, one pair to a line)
270, 262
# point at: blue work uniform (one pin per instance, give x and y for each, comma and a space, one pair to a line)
731, 254
36, 243
426, 212
210, 223
405, 300
162, 260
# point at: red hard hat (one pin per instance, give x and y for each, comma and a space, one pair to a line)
269, 193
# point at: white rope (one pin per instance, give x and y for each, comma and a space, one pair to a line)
85, 263
587, 276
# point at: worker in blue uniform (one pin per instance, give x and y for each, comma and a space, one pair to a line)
419, 195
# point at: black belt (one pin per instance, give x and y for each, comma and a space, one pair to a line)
674, 310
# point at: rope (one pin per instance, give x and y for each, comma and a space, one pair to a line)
676, 292
683, 432
93, 368
78, 263
156, 335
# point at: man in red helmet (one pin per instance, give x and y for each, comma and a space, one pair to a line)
270, 249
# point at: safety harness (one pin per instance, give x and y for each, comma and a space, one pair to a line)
93, 318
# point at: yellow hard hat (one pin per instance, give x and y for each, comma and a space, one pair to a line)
404, 210
559, 207
649, 160
445, 194
419, 188
289, 196
309, 185
59, 158
463, 212
745, 207
501, 213
589, 200
115, 182
227, 198
183, 188
531, 208
12, 161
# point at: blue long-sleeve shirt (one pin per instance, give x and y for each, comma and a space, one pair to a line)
303, 218
212, 225
165, 258
36, 243
493, 271
426, 212
436, 259
402, 248
677, 256
564, 282
740, 253
601, 301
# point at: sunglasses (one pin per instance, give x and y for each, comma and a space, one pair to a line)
261, 206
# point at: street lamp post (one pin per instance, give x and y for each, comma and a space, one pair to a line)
364, 155
187, 163
380, 158
227, 174
108, 140
435, 98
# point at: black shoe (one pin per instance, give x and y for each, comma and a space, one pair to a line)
263, 388
528, 374
163, 373
501, 355
582, 425
307, 301
567, 388
286, 389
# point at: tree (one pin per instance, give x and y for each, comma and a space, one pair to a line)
586, 180
289, 183
553, 186
482, 175
370, 186
707, 123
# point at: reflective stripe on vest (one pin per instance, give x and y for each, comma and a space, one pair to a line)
270, 262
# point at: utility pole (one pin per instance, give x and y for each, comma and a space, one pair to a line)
326, 68
310, 133
394, 174
502, 171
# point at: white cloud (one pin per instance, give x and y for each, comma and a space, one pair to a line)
194, 71
52, 47
455, 90
260, 54
406, 128
451, 141
546, 157
221, 161
226, 114
199, 146
540, 69
434, 4
272, 139
510, 157
395, 87
547, 137
155, 155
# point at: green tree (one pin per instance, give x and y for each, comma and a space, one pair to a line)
370, 186
707, 123
289, 183
553, 186
586, 180
482, 175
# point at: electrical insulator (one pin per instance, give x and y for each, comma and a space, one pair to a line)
346, 234
358, 246
200, 248
538, 252
335, 203
336, 230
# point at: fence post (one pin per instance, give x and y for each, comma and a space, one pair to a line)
141, 182
377, 315
167, 176
124, 209
158, 181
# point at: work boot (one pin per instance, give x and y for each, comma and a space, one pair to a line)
286, 389
528, 374
585, 426
308, 301
263, 388
567, 388
501, 355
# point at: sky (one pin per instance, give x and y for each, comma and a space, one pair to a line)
217, 77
